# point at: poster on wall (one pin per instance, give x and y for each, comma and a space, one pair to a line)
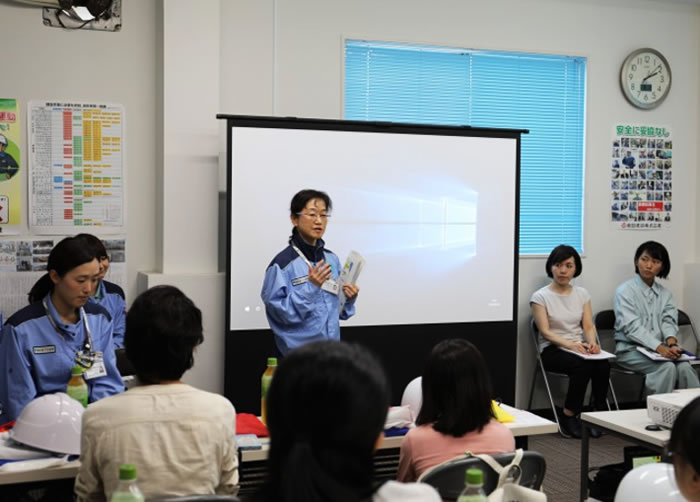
23, 262
10, 164
641, 177
76, 168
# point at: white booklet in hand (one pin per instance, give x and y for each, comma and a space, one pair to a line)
655, 356
601, 355
350, 273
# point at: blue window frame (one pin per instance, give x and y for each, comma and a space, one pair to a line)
542, 93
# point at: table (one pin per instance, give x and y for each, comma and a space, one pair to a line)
628, 424
253, 461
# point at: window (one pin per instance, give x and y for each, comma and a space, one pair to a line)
542, 93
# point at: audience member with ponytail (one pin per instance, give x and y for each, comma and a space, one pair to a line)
59, 329
327, 406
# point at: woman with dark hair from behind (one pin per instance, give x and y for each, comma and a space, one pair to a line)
109, 295
646, 317
456, 415
684, 449
180, 438
44, 340
327, 406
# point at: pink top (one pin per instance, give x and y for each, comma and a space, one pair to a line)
424, 447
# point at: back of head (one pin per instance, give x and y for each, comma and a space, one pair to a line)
456, 389
685, 435
69, 253
163, 326
325, 411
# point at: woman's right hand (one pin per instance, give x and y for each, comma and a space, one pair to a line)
578, 346
669, 352
320, 273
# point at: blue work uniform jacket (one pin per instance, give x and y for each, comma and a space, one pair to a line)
111, 297
298, 311
37, 359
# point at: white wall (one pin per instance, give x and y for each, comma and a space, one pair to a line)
294, 54
39, 62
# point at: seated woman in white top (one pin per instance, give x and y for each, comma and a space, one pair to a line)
326, 410
564, 318
456, 415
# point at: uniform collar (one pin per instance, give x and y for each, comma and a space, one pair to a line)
71, 329
99, 291
312, 253
654, 289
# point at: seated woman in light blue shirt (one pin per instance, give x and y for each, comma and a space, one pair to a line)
646, 316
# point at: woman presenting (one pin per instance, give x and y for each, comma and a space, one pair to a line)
564, 318
301, 286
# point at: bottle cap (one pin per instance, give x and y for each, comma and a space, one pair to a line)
127, 472
475, 477
76, 370
272, 361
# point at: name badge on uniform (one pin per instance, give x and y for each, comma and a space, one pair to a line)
331, 285
44, 349
98, 368
300, 280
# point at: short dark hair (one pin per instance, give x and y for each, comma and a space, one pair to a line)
303, 197
562, 253
456, 389
95, 244
68, 254
658, 252
163, 327
326, 407
685, 435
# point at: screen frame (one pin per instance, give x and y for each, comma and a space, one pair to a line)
246, 351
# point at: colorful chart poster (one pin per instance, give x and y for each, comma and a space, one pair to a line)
641, 177
76, 176
10, 165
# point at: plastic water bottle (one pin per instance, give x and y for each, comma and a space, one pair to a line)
265, 386
77, 388
474, 487
127, 489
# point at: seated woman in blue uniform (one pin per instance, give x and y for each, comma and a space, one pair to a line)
43, 341
300, 291
109, 295
646, 316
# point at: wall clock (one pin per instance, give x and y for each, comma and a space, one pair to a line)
645, 78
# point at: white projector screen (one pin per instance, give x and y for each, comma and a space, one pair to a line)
434, 216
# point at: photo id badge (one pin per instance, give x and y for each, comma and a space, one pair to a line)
331, 286
97, 369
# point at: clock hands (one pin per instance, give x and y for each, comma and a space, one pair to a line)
657, 70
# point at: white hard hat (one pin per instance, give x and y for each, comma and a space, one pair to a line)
3, 139
654, 481
413, 396
50, 422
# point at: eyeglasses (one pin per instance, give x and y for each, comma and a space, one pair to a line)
313, 216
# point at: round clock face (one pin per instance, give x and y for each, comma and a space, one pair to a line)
645, 78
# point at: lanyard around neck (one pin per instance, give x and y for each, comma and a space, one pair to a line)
301, 255
87, 342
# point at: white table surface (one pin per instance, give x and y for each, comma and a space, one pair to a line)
525, 424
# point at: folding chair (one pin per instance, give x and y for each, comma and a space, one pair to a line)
448, 477
688, 337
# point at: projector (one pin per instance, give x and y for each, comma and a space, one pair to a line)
664, 408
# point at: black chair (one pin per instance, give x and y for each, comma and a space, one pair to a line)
448, 477
687, 336
197, 498
605, 325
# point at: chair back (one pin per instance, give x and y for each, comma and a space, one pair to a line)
448, 477
535, 332
605, 326
687, 336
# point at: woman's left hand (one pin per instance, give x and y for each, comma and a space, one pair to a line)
350, 290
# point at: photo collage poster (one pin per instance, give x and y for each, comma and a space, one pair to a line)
641, 177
